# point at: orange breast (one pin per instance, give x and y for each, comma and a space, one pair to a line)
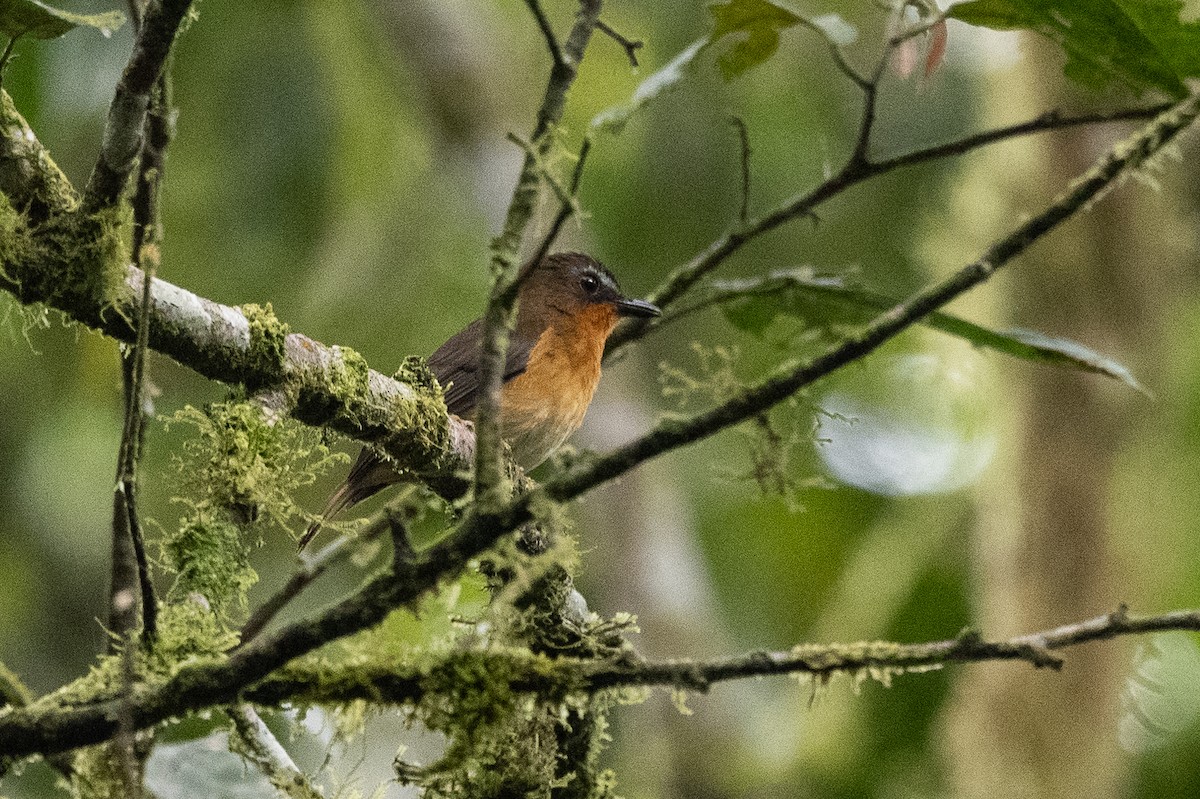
542, 407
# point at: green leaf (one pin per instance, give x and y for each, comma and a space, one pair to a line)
826, 302
31, 18
760, 21
1141, 44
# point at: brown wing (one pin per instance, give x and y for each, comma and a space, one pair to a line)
456, 365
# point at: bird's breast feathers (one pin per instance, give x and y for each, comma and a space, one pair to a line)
542, 407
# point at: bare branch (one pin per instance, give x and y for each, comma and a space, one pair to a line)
1049, 121
311, 567
130, 567
744, 140
543, 23
569, 204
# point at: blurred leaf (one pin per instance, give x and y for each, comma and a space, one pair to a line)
1142, 44
760, 21
937, 47
614, 118
826, 302
1160, 698
1034, 346
31, 18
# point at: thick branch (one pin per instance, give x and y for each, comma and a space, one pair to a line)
327, 386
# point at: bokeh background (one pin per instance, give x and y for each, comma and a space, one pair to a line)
347, 162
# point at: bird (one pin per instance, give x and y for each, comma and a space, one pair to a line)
567, 305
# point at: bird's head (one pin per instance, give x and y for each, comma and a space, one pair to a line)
571, 285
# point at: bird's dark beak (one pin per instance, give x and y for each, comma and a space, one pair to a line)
637, 308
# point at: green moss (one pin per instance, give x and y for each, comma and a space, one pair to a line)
426, 421
14, 236
268, 340
350, 377
242, 462
76, 260
416, 372
501, 741
211, 559
98, 773
27, 170
188, 632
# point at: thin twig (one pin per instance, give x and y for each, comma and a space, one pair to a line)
8, 48
1049, 121
312, 567
543, 23
631, 46
744, 140
131, 568
568, 206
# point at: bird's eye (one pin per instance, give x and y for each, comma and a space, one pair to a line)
589, 284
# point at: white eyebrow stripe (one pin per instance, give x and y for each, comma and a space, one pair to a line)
607, 280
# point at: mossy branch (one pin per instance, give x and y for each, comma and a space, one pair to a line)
75, 261
552, 678
44, 730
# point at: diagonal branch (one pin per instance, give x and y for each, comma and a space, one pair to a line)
1125, 157
123, 132
852, 173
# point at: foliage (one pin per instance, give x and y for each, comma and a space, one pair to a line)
1142, 45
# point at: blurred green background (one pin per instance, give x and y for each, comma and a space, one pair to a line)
347, 162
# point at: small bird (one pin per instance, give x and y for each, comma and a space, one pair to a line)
567, 305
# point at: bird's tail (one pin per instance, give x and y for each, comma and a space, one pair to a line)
338, 502
369, 475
